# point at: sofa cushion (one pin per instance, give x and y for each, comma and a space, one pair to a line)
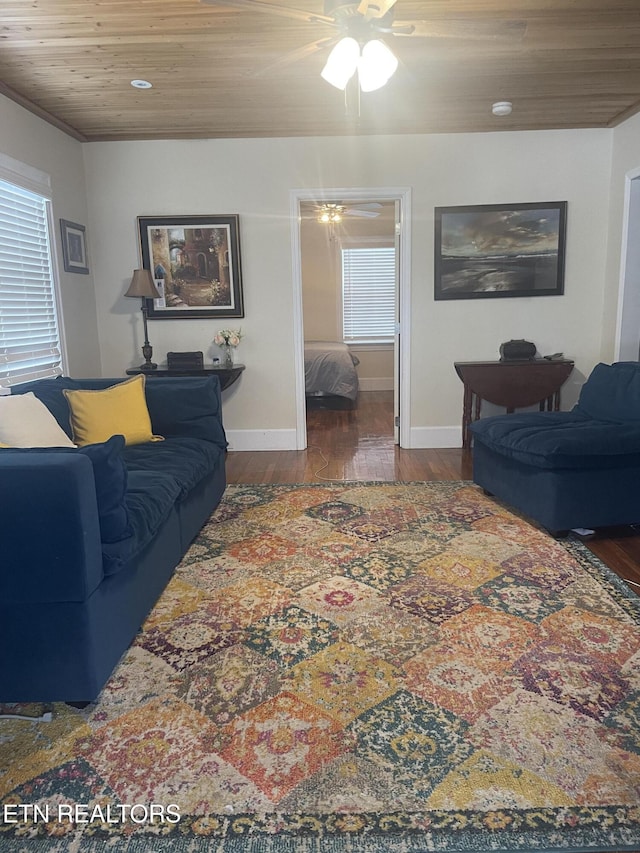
560, 440
25, 421
150, 498
50, 392
118, 410
191, 409
612, 393
159, 475
186, 460
110, 477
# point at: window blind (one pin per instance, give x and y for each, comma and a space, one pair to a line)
368, 293
29, 334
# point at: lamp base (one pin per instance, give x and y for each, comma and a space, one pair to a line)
147, 352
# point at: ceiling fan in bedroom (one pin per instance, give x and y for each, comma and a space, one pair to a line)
361, 25
332, 213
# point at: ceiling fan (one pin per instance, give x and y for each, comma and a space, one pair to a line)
360, 25
333, 212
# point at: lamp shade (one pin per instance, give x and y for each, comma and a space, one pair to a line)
341, 63
143, 285
376, 66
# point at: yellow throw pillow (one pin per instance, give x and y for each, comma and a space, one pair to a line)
118, 410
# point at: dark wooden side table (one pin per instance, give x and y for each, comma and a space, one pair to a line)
226, 375
512, 384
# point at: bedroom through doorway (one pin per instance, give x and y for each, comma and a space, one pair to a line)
349, 283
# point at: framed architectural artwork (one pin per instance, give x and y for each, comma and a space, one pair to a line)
195, 263
496, 250
74, 247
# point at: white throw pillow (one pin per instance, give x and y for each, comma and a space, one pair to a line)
25, 421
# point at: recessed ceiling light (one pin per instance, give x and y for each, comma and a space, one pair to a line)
141, 84
502, 108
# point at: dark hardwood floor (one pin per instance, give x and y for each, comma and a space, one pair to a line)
357, 444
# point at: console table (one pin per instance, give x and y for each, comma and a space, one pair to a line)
512, 384
226, 375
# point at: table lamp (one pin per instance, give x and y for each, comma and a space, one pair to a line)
143, 286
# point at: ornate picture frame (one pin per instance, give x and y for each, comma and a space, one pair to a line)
500, 250
195, 263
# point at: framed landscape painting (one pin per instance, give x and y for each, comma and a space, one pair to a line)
195, 263
495, 250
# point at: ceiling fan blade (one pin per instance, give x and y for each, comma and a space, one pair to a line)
459, 29
271, 9
375, 8
364, 214
295, 55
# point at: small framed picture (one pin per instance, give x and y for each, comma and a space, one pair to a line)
74, 247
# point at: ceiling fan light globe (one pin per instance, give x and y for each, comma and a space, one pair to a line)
342, 63
376, 66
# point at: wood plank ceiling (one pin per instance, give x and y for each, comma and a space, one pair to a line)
231, 71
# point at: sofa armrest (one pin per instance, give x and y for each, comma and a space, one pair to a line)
50, 531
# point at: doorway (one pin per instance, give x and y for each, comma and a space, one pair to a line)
366, 204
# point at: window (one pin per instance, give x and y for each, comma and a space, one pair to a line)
368, 293
30, 345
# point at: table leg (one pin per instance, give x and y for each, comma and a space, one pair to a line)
466, 417
478, 407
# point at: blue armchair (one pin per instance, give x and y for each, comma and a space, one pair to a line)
572, 469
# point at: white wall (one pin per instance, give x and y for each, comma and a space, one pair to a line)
252, 177
36, 143
625, 159
518, 167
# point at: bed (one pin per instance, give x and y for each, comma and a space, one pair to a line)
330, 369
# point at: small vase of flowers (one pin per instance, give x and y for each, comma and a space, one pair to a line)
227, 340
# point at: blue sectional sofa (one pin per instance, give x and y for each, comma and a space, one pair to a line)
91, 536
565, 470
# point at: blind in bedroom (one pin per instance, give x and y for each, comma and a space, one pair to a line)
29, 332
368, 294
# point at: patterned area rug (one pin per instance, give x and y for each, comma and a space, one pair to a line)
354, 667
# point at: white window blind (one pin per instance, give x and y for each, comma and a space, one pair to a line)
29, 333
368, 293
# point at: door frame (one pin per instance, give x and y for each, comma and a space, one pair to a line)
628, 293
401, 195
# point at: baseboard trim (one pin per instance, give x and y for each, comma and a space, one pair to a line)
261, 439
436, 437
376, 383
